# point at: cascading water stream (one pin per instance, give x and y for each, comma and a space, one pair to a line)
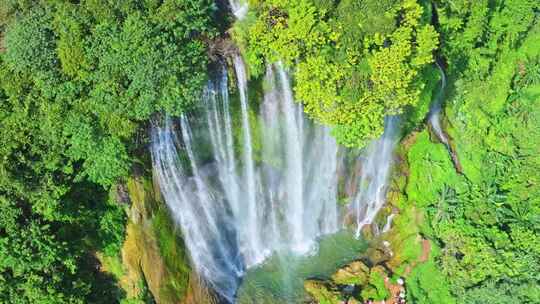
251, 242
293, 157
203, 218
436, 108
375, 174
388, 223
235, 212
434, 119
239, 8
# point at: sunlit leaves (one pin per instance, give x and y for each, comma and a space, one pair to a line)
348, 76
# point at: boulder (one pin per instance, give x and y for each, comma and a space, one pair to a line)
353, 301
355, 273
378, 255
322, 293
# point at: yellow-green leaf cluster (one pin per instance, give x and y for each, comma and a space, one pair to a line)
349, 84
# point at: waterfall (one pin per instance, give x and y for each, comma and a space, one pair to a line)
251, 240
247, 200
203, 217
388, 223
435, 111
245, 203
239, 8
293, 157
374, 178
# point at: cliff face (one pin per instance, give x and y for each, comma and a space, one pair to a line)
154, 261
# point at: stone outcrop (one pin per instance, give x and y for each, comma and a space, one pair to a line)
153, 257
355, 273
322, 292
390, 254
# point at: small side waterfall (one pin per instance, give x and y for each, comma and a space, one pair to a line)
434, 120
436, 108
374, 178
388, 223
239, 8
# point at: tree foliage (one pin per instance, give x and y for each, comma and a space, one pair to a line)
486, 220
77, 84
350, 71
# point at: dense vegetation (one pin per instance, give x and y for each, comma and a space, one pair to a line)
486, 220
78, 84
355, 61
81, 80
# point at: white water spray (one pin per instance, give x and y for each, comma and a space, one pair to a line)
236, 212
251, 241
374, 178
239, 8
434, 115
204, 220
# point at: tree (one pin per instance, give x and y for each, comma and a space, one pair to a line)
348, 76
77, 81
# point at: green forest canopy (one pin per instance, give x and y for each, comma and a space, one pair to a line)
78, 85
351, 68
80, 82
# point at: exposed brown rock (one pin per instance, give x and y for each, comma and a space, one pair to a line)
122, 195
378, 255
140, 252
351, 185
356, 273
142, 259
198, 293
221, 47
2, 35
353, 301
322, 292
455, 160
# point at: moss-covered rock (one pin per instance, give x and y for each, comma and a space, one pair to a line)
376, 288
322, 292
355, 273
153, 262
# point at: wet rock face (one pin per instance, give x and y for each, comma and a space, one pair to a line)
198, 293
140, 253
322, 292
351, 185
355, 273
146, 261
122, 194
378, 255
